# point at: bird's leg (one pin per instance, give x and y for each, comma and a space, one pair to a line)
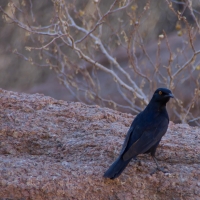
158, 167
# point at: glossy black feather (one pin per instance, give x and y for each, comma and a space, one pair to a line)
145, 132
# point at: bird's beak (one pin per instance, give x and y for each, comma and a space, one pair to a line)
170, 95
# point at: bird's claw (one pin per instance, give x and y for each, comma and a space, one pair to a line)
162, 169
159, 169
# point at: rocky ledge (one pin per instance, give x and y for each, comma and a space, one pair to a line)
52, 149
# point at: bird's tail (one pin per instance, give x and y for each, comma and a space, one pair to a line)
116, 168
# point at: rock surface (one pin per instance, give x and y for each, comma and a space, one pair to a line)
53, 149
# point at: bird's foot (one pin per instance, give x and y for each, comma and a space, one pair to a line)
159, 169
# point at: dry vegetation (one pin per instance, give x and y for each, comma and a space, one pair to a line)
103, 54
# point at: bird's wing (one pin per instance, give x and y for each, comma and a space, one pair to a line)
130, 131
149, 137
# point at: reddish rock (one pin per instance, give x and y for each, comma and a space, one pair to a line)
53, 149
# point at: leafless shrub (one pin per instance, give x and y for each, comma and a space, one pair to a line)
80, 40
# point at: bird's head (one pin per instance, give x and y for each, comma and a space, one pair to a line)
162, 95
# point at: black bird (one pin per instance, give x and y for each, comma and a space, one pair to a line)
145, 132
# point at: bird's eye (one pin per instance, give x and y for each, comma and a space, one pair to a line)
160, 92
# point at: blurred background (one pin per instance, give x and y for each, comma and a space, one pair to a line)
147, 44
